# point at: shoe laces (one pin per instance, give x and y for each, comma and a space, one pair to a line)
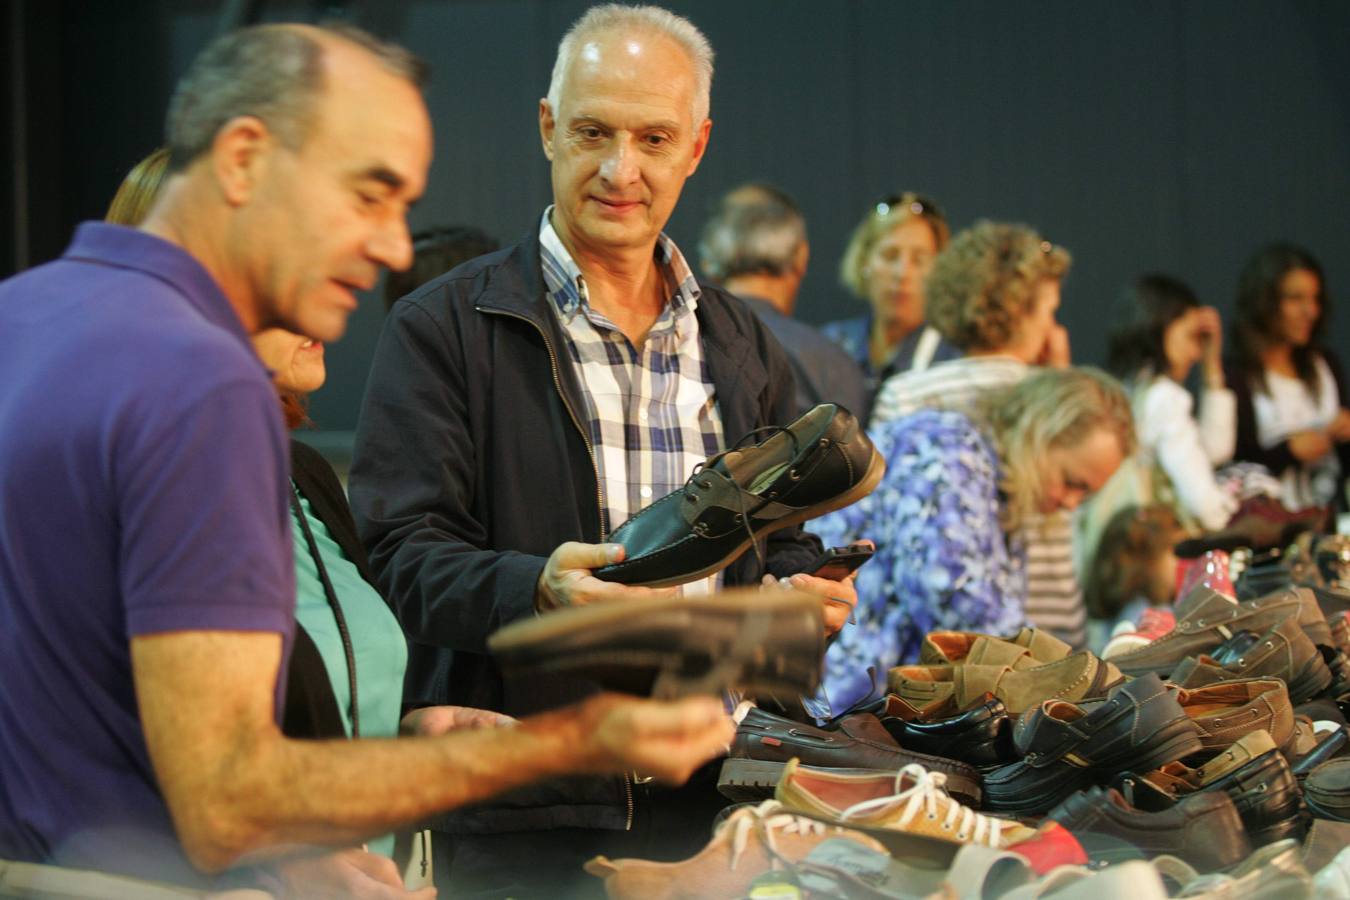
766, 819
694, 483
927, 794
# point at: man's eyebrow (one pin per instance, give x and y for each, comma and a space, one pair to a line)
384, 175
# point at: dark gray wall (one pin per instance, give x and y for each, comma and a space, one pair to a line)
1167, 135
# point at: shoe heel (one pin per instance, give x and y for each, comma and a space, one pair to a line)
749, 779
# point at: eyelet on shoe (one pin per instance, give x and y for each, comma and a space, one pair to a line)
1269, 645
1262, 787
738, 518
946, 826
706, 485
794, 475
932, 817
1199, 621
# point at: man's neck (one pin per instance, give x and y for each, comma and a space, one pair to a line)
624, 285
179, 218
779, 292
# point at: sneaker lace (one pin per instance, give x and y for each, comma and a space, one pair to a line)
927, 795
766, 819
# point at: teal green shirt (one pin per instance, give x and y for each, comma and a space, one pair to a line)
377, 640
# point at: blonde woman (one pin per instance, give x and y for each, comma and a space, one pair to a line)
946, 519
886, 262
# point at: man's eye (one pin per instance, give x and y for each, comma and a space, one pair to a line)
656, 140
367, 199
589, 132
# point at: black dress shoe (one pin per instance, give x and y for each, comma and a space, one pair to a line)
980, 736
764, 743
762, 642
821, 462
1254, 775
1329, 747
1204, 829
1067, 746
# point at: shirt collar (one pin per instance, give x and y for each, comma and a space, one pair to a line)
129, 248
567, 286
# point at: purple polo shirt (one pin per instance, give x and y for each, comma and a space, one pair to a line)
143, 464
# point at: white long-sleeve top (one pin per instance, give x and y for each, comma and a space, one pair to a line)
1188, 450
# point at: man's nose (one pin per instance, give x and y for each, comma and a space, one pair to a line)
620, 163
391, 244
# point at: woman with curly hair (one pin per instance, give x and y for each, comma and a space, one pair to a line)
886, 263
947, 516
992, 294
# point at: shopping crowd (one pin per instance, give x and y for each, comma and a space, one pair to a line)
223, 669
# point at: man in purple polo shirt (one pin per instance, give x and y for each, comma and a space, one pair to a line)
146, 582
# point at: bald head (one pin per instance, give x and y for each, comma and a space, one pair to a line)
601, 24
275, 73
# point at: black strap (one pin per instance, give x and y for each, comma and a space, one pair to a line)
333, 604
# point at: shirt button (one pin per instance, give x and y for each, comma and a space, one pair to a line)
642, 413
646, 492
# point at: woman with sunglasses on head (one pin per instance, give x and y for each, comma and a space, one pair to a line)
1291, 394
886, 262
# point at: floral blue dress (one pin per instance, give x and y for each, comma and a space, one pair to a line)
943, 560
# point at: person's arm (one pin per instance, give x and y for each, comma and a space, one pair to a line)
238, 790
1178, 442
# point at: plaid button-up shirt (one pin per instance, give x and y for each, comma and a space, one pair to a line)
651, 410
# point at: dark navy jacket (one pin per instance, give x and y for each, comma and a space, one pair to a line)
471, 465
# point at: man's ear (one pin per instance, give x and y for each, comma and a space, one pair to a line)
700, 145
239, 156
546, 126
800, 257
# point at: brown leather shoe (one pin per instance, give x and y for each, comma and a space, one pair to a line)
765, 743
1027, 649
1206, 619
1227, 711
750, 842
1284, 651
1204, 829
1080, 676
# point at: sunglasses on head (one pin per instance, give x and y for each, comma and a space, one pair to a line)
917, 204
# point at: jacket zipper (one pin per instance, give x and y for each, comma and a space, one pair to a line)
599, 500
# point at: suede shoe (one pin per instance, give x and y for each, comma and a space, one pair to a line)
1067, 746
980, 736
1027, 649
910, 801
1283, 652
749, 842
1076, 677
765, 743
821, 462
1204, 829
1253, 773
766, 642
1206, 618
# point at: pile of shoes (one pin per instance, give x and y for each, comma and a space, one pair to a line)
1185, 765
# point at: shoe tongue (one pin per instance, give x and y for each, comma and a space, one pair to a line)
865, 726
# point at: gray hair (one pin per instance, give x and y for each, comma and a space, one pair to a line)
274, 72
756, 236
612, 17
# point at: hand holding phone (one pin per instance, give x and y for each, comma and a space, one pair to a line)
837, 563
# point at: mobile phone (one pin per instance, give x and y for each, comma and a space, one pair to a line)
837, 563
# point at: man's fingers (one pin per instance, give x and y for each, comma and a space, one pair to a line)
574, 555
